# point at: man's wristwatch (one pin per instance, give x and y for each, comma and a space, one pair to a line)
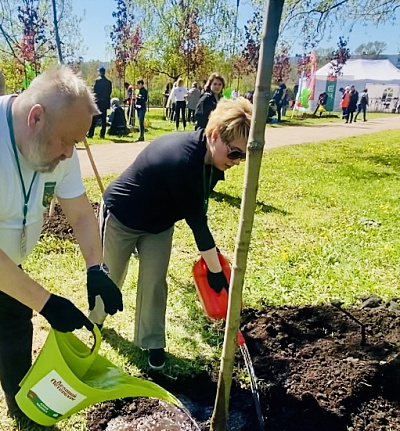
102, 267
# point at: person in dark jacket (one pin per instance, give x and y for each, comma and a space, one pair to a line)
208, 100
102, 91
170, 180
352, 103
362, 105
322, 99
141, 107
117, 119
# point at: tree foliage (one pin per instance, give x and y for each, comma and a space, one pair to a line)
126, 37
29, 40
315, 17
371, 49
251, 48
281, 68
178, 33
339, 57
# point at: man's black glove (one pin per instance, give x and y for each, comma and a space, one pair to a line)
99, 283
217, 281
63, 316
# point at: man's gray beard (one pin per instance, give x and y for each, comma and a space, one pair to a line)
37, 151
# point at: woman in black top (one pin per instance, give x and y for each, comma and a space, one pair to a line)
170, 180
208, 100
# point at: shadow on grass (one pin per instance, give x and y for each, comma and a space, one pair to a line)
236, 202
25, 424
391, 160
175, 367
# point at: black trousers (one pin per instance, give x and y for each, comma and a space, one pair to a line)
95, 119
180, 108
15, 346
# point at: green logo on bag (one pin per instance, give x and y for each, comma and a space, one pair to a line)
42, 406
48, 193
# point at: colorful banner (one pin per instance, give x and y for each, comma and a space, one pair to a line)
330, 89
313, 75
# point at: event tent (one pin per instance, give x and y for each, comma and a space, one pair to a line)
380, 77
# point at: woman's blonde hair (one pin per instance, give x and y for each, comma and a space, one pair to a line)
179, 82
231, 118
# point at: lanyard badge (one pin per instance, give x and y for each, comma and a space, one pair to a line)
26, 195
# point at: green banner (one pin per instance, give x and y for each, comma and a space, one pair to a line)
330, 90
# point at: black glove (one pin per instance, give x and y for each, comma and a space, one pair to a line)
63, 316
217, 281
99, 283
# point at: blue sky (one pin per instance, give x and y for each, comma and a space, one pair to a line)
98, 16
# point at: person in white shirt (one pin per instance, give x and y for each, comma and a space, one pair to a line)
179, 94
39, 130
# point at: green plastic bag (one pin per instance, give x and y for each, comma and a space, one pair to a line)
68, 376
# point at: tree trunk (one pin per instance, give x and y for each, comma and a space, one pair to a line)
57, 34
255, 148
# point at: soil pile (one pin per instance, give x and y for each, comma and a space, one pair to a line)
314, 375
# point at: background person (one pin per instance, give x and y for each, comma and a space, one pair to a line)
117, 119
102, 91
208, 100
353, 99
192, 99
322, 99
170, 180
178, 94
141, 107
279, 97
39, 130
362, 106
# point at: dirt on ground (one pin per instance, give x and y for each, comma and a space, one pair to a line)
319, 368
315, 373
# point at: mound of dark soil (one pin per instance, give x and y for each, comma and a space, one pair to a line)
58, 225
314, 375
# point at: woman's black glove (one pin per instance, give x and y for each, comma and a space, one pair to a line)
99, 283
63, 316
217, 281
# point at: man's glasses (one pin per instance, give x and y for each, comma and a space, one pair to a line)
235, 153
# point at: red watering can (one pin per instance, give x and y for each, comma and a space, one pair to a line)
214, 304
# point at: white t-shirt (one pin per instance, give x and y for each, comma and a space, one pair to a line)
179, 93
65, 182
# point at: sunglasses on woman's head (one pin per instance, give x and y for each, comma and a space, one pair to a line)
235, 153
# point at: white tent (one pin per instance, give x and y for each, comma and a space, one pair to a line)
380, 77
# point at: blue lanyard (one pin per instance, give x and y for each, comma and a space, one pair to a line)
206, 190
26, 195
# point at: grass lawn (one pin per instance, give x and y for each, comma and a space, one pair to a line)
327, 225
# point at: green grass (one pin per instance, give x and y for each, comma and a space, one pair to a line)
327, 225
307, 119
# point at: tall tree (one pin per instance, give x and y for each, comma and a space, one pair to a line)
315, 16
339, 57
371, 49
126, 37
211, 23
253, 162
281, 68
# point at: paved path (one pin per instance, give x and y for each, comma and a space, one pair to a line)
115, 158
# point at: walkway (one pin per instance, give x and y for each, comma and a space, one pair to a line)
115, 158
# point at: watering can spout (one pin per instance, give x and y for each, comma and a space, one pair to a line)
69, 376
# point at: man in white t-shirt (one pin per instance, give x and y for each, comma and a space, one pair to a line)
38, 132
